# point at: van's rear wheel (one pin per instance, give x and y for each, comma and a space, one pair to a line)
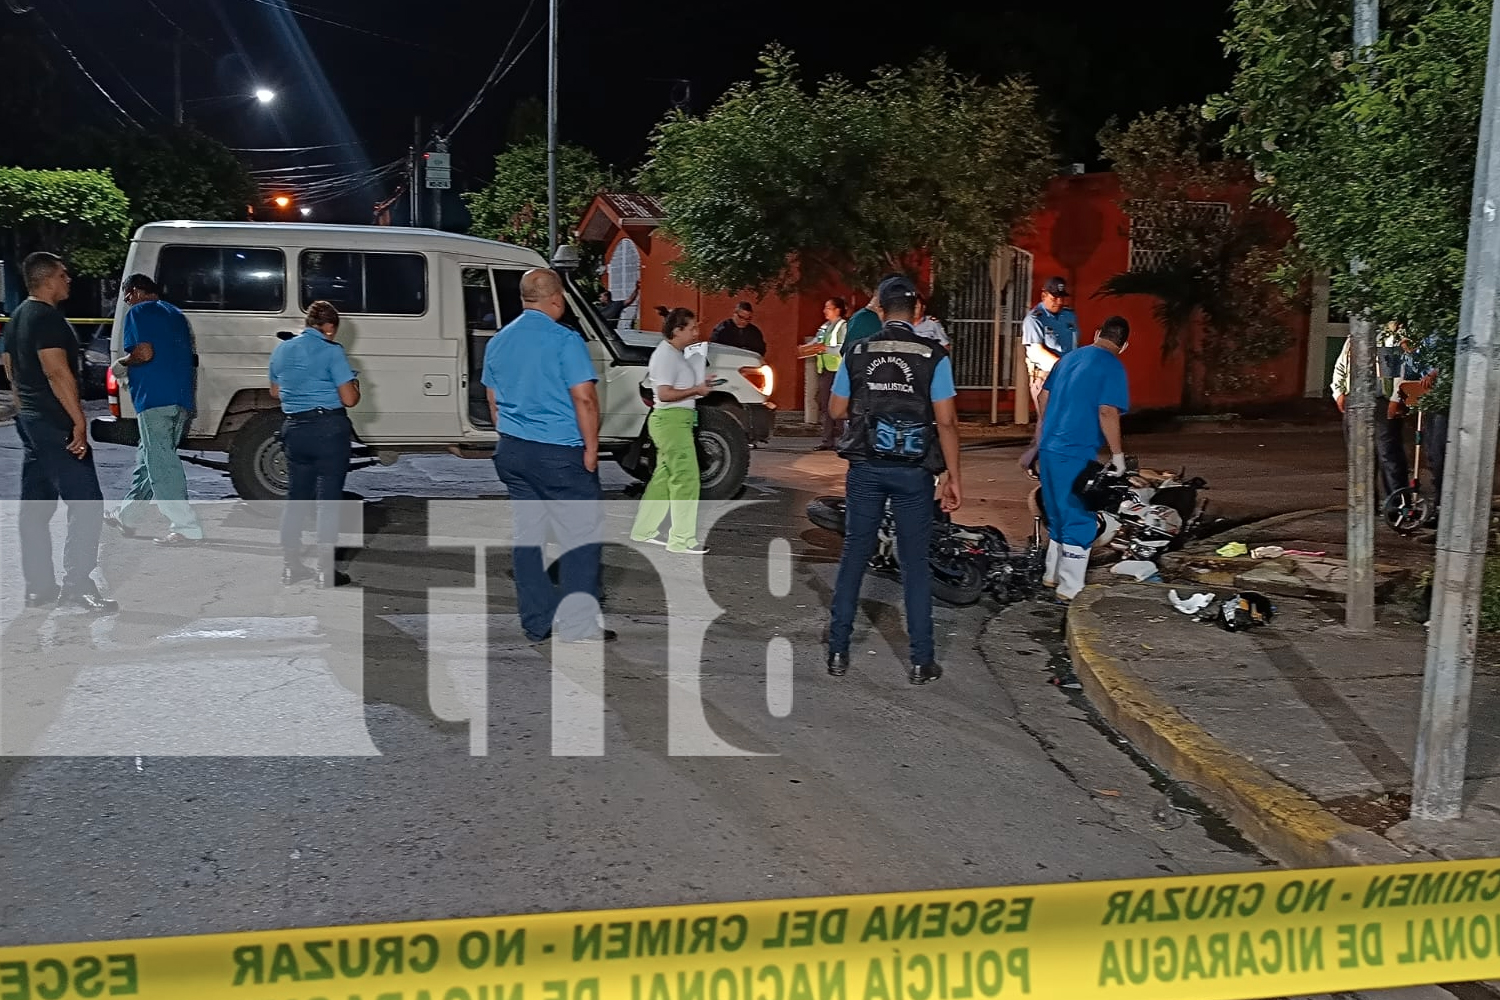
257, 461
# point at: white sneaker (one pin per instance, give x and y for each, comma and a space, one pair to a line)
654, 540
691, 550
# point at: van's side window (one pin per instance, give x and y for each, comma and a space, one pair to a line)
387, 284
222, 279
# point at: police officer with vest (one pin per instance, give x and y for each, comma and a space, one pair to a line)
896, 390
311, 377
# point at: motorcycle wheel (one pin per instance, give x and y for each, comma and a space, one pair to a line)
827, 513
961, 584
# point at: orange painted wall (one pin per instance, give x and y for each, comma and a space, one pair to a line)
786, 323
1080, 233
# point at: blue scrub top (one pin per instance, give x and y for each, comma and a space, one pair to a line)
167, 379
1080, 383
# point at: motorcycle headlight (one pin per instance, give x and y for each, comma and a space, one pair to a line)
763, 379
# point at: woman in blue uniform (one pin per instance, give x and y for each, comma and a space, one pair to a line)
313, 381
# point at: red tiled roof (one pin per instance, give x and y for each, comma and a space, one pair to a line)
634, 207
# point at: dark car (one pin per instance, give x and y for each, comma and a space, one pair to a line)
93, 361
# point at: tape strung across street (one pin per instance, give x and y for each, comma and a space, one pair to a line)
1217, 937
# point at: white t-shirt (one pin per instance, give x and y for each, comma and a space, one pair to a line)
669, 366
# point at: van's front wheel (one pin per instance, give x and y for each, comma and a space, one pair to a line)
257, 461
723, 453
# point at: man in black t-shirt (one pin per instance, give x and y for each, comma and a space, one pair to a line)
739, 331
41, 355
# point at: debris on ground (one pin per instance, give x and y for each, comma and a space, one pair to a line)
1267, 552
1246, 610
1139, 570
1192, 605
1233, 550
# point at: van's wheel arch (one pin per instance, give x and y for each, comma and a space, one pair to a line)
257, 461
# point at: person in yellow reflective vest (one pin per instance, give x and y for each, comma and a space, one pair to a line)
831, 336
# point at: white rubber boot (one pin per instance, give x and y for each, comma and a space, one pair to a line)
1072, 571
1054, 559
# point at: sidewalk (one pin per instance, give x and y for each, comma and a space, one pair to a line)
1301, 734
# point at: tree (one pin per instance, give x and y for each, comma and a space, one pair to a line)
1213, 266
78, 213
1372, 163
178, 174
513, 205
778, 186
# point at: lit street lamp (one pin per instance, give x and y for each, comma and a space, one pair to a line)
265, 95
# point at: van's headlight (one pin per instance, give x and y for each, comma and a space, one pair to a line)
762, 378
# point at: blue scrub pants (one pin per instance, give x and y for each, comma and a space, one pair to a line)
1069, 522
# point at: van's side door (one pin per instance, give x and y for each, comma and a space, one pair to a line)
392, 312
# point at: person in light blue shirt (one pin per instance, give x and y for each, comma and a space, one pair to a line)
1048, 333
540, 382
311, 377
1079, 409
158, 368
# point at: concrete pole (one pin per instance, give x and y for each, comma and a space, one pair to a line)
1443, 728
1359, 405
552, 129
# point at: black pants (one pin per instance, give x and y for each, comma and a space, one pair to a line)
1435, 449
1390, 449
832, 429
318, 444
50, 473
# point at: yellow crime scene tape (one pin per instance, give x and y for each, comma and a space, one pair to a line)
1215, 937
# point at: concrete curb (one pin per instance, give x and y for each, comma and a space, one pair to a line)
1284, 822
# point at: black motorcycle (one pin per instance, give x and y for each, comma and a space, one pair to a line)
966, 561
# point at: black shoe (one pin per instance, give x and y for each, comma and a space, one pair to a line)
330, 578
114, 522
921, 673
601, 636
838, 664
42, 598
88, 600
295, 573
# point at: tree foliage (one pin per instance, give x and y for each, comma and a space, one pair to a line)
513, 205
779, 185
177, 174
1209, 265
78, 213
1373, 163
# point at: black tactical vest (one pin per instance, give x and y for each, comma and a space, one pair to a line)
890, 399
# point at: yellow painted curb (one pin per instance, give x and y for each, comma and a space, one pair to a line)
1285, 823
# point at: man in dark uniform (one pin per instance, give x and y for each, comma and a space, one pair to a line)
40, 358
896, 389
738, 331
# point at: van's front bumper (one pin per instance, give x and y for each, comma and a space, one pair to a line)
762, 421
115, 430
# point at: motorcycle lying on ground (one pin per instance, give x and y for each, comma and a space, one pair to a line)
1142, 514
966, 561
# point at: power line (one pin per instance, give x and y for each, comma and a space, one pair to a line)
89, 76
500, 70
304, 13
102, 55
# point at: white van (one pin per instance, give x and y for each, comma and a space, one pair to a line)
417, 307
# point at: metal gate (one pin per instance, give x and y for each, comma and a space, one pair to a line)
973, 305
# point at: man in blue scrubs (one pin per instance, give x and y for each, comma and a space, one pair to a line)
540, 381
1080, 406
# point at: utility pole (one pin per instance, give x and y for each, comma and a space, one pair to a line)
552, 9
177, 78
1359, 600
1443, 727
416, 172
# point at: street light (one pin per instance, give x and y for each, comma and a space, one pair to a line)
281, 201
265, 95
306, 211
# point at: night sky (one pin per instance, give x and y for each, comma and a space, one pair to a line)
352, 74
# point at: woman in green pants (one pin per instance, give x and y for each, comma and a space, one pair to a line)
679, 382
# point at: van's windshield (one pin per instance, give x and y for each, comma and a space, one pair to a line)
582, 317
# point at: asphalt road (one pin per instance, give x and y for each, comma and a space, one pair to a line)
227, 754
